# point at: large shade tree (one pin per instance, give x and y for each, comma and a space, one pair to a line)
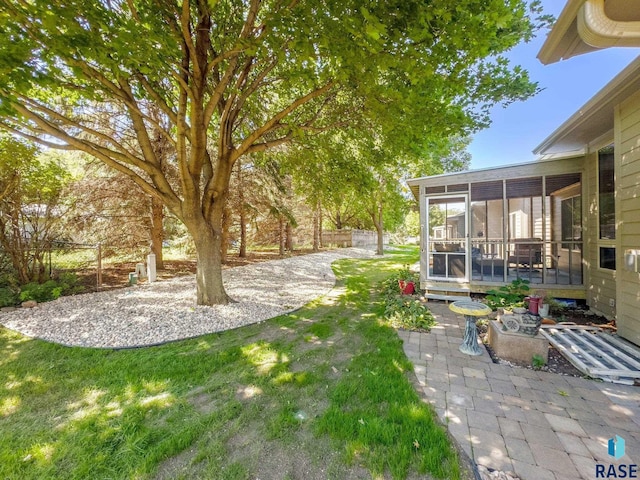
227, 78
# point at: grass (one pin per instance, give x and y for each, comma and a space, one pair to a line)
321, 393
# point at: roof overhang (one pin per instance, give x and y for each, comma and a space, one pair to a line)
593, 121
557, 165
588, 25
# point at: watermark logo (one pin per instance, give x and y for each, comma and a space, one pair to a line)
616, 447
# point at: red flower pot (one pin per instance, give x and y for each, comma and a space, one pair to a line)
406, 288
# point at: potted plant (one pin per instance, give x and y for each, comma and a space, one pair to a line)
548, 304
508, 296
406, 281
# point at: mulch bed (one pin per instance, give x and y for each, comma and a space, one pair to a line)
557, 363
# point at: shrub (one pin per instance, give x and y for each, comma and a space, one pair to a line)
508, 296
404, 311
390, 285
8, 297
66, 284
409, 313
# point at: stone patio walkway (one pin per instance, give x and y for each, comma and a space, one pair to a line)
539, 425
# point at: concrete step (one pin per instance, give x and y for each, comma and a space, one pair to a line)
448, 293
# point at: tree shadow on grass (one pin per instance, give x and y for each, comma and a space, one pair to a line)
242, 403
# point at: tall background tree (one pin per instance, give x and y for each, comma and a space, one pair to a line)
30, 208
222, 80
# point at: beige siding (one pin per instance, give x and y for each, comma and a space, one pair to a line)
601, 284
628, 210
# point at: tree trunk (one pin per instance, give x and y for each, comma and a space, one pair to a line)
316, 229
243, 220
320, 225
243, 235
157, 234
226, 224
281, 236
210, 289
377, 221
289, 236
380, 248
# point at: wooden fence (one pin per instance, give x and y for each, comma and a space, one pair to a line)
351, 238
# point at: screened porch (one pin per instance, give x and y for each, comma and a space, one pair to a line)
493, 230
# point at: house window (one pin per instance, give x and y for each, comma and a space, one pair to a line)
606, 208
608, 258
571, 209
606, 197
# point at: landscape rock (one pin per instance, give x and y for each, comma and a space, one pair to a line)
490, 474
151, 314
29, 304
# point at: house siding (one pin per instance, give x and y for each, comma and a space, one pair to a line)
601, 282
627, 120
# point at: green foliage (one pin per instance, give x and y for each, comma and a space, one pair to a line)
66, 284
555, 307
121, 414
408, 313
30, 201
404, 311
389, 287
108, 77
537, 361
34, 179
40, 292
8, 297
412, 223
508, 296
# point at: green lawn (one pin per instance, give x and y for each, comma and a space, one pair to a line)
321, 393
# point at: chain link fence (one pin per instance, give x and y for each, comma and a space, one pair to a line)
96, 266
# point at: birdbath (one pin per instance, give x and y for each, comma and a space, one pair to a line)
471, 311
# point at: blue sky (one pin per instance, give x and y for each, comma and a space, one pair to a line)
516, 130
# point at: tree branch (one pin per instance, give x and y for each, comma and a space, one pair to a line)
30, 103
260, 147
160, 188
273, 122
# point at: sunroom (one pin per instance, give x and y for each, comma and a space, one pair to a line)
487, 227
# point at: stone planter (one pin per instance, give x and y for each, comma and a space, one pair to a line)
522, 323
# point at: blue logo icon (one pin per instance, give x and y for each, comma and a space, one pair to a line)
616, 447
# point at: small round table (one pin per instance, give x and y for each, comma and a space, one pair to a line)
471, 311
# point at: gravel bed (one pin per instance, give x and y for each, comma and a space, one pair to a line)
151, 314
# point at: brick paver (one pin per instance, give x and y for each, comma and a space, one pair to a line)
538, 424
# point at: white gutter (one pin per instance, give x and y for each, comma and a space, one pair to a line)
598, 30
549, 53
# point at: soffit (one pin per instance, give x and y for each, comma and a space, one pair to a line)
595, 118
588, 25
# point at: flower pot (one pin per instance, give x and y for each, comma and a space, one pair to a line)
534, 303
406, 287
544, 310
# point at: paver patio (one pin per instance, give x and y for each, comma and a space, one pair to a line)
537, 424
